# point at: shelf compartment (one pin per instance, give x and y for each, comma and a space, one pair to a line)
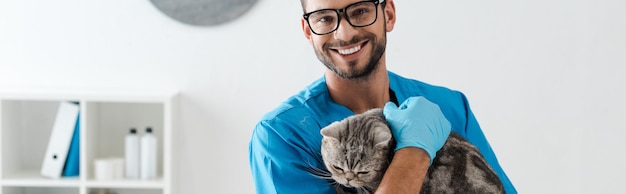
107, 123
25, 130
123, 191
40, 190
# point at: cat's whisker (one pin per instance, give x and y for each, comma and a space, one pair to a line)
319, 173
368, 189
364, 190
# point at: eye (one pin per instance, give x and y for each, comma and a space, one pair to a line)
363, 173
323, 17
359, 12
326, 19
337, 168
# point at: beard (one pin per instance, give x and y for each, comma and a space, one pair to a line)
354, 72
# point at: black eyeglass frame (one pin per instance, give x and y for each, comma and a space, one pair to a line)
345, 15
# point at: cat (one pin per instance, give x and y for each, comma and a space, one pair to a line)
358, 149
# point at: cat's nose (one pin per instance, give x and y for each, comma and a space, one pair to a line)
349, 176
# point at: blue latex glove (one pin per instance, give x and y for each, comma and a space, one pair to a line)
418, 123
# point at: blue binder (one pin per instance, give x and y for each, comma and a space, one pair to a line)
72, 164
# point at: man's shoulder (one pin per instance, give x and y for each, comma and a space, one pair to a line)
296, 120
299, 104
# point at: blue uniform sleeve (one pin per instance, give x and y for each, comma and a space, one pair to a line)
279, 164
475, 135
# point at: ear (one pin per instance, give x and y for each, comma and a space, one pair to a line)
390, 15
305, 29
382, 136
331, 131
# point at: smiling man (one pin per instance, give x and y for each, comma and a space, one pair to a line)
349, 37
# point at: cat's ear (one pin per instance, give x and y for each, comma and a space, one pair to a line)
331, 130
382, 136
331, 134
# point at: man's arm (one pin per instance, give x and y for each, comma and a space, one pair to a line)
406, 172
420, 130
279, 166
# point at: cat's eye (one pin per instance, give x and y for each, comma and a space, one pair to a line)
337, 168
363, 173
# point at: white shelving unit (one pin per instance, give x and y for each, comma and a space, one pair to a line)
26, 120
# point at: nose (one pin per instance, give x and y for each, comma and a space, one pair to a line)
345, 31
349, 176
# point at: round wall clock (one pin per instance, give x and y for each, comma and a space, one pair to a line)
203, 12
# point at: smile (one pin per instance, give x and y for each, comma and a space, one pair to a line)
350, 50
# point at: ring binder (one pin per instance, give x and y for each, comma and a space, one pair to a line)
60, 139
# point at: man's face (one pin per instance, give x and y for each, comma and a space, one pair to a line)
350, 52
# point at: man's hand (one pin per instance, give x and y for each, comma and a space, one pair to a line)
418, 123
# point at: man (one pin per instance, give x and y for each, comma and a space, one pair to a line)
349, 38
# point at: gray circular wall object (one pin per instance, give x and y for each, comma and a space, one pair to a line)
203, 12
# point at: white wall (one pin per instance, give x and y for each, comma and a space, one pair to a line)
545, 79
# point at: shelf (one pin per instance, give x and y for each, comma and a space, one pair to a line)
124, 191
26, 121
88, 95
33, 179
42, 190
127, 184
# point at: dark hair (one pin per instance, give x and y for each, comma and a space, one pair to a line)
303, 2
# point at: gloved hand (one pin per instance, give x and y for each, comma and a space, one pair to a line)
418, 123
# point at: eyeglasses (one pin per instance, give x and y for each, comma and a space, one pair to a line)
359, 14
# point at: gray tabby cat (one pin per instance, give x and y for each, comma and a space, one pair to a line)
358, 149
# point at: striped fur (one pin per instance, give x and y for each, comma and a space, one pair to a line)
357, 150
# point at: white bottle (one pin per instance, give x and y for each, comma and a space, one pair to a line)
132, 154
148, 155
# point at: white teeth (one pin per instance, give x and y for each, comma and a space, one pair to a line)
350, 50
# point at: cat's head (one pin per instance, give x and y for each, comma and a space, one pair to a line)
356, 150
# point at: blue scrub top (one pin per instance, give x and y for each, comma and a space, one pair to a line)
285, 145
